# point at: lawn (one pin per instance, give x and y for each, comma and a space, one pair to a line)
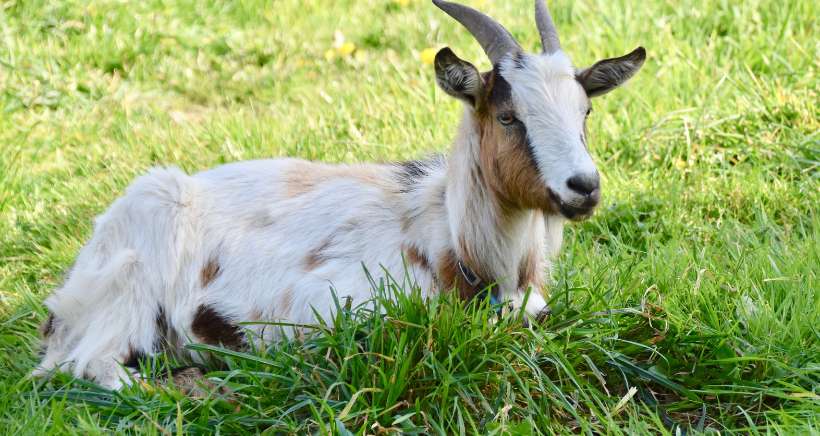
689, 302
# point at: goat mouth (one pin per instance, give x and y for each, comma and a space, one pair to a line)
572, 212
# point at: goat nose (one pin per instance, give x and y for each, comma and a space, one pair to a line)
584, 184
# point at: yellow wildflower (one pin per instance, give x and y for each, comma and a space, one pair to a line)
428, 55
346, 49
402, 2
330, 54
342, 47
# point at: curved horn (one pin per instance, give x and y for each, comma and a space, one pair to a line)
549, 35
493, 37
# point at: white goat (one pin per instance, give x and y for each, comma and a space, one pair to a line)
181, 259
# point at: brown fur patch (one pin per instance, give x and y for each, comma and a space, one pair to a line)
507, 164
209, 272
47, 328
416, 257
212, 328
406, 223
450, 277
286, 304
302, 180
303, 177
447, 270
318, 256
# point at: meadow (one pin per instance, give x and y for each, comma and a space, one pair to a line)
688, 303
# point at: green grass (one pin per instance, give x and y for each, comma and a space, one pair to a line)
695, 283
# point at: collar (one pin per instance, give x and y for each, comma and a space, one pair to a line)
481, 288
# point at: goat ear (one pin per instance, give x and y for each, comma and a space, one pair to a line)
609, 74
457, 77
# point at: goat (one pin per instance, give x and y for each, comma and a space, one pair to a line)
182, 259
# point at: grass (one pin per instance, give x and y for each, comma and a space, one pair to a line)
688, 303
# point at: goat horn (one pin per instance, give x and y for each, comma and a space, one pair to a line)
493, 37
549, 35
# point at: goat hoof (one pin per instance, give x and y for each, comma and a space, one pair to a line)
543, 314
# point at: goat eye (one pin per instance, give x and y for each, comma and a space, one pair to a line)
589, 110
506, 119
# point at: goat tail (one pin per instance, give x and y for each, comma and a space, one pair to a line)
87, 286
137, 247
